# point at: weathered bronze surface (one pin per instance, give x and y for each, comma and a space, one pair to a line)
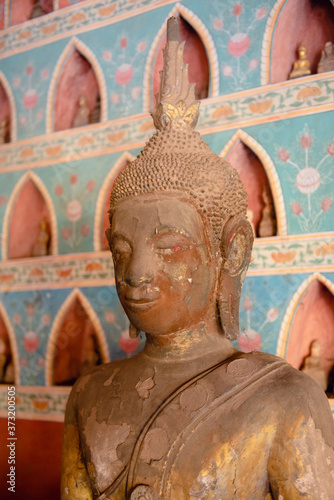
190, 417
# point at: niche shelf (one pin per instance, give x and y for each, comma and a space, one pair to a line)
261, 209
30, 236
307, 21
78, 99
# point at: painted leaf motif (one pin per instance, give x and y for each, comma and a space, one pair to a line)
171, 111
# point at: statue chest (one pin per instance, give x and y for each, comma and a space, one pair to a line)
182, 445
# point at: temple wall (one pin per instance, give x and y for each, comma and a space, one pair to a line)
64, 177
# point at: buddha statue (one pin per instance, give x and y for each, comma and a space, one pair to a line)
312, 365
326, 62
302, 66
41, 246
267, 224
82, 117
189, 417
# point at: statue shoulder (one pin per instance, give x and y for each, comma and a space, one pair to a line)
294, 393
92, 385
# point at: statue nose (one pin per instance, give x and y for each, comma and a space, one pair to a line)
140, 270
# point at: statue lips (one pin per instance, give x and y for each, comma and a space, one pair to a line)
139, 300
140, 305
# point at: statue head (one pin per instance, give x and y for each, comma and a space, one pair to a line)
302, 51
179, 235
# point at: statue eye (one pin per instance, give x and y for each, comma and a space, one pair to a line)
121, 250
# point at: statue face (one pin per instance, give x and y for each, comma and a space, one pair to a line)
165, 275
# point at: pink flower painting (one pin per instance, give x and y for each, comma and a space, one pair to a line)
308, 180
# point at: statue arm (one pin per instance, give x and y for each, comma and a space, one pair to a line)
301, 463
75, 484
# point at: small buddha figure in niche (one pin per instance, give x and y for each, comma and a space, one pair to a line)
41, 246
91, 355
82, 117
312, 365
302, 66
267, 224
189, 417
4, 131
326, 62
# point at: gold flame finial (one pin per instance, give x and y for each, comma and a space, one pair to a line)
176, 100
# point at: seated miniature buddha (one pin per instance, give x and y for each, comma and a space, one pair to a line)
82, 117
189, 417
302, 66
326, 62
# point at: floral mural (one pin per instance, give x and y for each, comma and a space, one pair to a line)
309, 175
123, 68
30, 87
237, 24
73, 197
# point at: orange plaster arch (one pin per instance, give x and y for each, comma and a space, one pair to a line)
12, 106
283, 337
271, 172
12, 341
81, 47
207, 40
51, 347
45, 193
100, 203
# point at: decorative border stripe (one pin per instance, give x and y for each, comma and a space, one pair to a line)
64, 23
275, 255
217, 114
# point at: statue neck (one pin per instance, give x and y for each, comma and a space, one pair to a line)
203, 339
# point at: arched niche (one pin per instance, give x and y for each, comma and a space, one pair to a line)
261, 209
307, 21
5, 116
199, 51
313, 323
23, 10
78, 98
103, 202
77, 342
30, 222
7, 371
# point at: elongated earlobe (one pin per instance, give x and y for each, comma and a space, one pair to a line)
236, 247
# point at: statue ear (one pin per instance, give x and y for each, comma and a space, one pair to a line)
236, 246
